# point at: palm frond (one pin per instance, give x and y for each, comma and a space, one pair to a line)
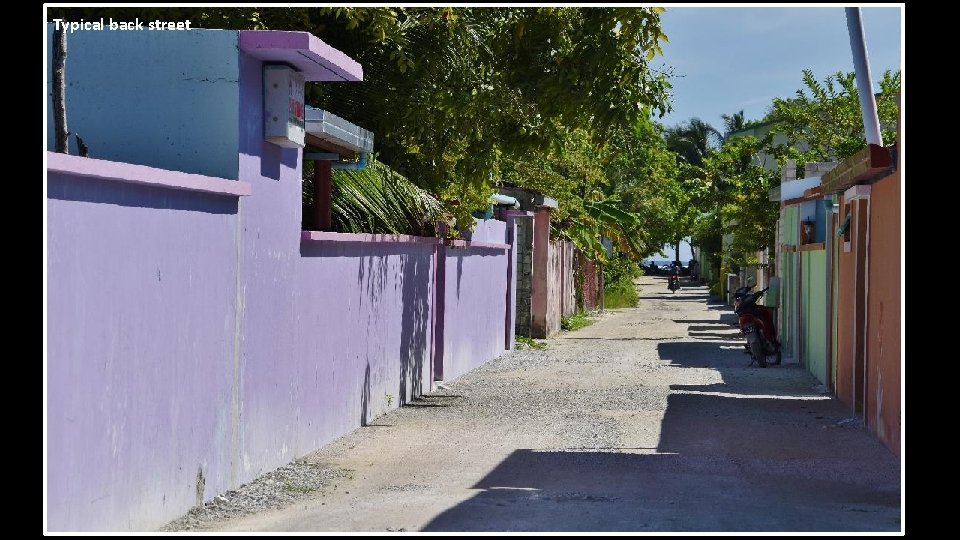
379, 200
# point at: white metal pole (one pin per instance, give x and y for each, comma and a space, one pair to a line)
861, 64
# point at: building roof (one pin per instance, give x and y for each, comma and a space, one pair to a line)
336, 134
315, 60
793, 189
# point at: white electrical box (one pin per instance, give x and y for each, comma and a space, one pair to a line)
283, 107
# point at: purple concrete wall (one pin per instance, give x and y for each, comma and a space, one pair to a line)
489, 230
475, 305
365, 323
334, 333
267, 370
510, 317
141, 290
196, 340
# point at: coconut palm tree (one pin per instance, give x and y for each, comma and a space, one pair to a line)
733, 123
693, 140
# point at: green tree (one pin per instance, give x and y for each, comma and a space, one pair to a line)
588, 209
646, 175
693, 140
492, 85
745, 208
729, 192
454, 95
707, 233
732, 123
823, 122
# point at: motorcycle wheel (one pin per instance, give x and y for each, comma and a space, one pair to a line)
760, 355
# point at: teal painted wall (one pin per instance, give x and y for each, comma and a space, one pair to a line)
813, 294
163, 99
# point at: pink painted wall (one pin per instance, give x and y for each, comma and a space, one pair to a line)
568, 294
554, 286
544, 317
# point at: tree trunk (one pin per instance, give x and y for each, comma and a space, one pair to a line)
59, 90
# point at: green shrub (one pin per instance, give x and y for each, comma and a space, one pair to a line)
524, 342
620, 295
618, 288
576, 321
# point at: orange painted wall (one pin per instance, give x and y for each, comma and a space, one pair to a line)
884, 354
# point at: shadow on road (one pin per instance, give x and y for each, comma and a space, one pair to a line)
725, 319
684, 298
714, 472
760, 450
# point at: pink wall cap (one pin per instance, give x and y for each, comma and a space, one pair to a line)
316, 60
471, 244
327, 236
518, 213
141, 174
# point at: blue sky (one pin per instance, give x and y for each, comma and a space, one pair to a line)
668, 253
730, 58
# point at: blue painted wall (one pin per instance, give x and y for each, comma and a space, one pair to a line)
168, 99
814, 210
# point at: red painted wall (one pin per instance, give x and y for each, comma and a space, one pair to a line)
591, 281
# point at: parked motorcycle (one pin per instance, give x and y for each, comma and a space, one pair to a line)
757, 324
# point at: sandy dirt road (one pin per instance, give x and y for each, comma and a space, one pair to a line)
648, 420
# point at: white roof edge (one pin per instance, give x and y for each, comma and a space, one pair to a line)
328, 126
791, 189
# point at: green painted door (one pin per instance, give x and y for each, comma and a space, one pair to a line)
813, 298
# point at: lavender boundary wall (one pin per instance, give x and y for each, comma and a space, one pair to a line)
475, 289
141, 321
198, 339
